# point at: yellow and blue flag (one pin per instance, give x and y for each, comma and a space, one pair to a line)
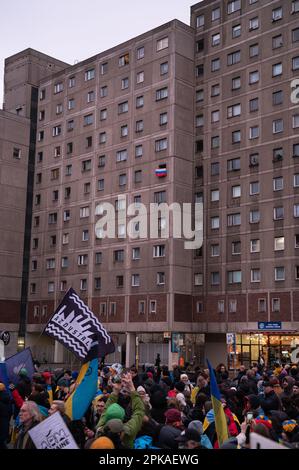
220, 418
86, 387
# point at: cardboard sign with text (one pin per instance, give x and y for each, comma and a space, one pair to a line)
52, 433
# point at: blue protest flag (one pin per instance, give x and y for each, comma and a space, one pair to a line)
21, 360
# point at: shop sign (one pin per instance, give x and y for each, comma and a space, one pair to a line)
269, 325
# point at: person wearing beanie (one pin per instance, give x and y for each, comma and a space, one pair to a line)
145, 398
204, 440
114, 411
102, 443
171, 430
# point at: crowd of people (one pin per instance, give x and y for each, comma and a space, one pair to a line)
158, 408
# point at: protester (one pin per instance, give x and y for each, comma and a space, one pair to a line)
30, 416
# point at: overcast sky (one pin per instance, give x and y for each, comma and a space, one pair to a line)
73, 30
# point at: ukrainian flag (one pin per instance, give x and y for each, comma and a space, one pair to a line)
85, 388
220, 418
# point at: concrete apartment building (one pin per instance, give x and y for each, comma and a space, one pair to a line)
209, 105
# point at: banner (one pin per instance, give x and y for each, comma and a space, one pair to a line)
77, 328
52, 433
21, 360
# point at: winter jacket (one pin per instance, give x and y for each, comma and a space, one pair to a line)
5, 415
134, 424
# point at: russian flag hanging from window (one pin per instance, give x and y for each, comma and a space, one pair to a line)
161, 172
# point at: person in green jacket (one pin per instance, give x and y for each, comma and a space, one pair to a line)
114, 411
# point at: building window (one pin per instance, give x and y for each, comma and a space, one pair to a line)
103, 114
104, 68
279, 273
97, 283
236, 248
253, 50
41, 135
295, 121
102, 137
64, 262
42, 94
216, 14
198, 279
296, 150
138, 176
50, 263
277, 97
123, 107
161, 94
59, 108
233, 6
234, 58
262, 305
124, 131
253, 105
216, 39
85, 235
121, 155
277, 41
254, 216
255, 275
86, 165
153, 307
51, 287
119, 255
254, 77
234, 164
215, 195
164, 68
296, 180
139, 126
84, 212
88, 119
104, 91
254, 132
135, 280
72, 82
215, 250
215, 65
254, 188
253, 23
236, 191
89, 74
83, 284
200, 21
160, 197
199, 70
233, 219
215, 169
159, 251
233, 111
112, 309
234, 277
278, 213
276, 70
236, 137
278, 183
277, 14
124, 83
254, 159
236, 31
65, 239
70, 125
215, 142
295, 35
140, 77
232, 306
278, 243
56, 131
277, 154
163, 119
215, 90
101, 184
236, 83
215, 278
160, 278
277, 126
296, 210
122, 179
102, 161
220, 306
275, 305
255, 246
71, 104
160, 145
141, 307
162, 43
199, 96
140, 53
215, 222
82, 260
58, 87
